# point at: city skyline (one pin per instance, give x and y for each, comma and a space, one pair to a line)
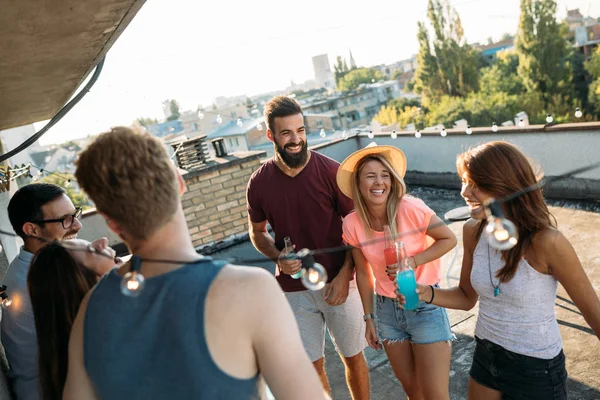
195, 53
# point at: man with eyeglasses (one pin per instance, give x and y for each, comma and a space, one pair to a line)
39, 213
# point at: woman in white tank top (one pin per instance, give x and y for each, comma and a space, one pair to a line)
518, 354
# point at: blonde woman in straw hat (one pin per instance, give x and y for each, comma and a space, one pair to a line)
417, 343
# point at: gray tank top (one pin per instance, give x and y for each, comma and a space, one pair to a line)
521, 317
153, 346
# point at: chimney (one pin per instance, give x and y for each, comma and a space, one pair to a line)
219, 146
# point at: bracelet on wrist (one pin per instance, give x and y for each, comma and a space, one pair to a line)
432, 295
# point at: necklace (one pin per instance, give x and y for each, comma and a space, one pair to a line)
496, 287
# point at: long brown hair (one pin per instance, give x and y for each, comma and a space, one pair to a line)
57, 285
397, 190
499, 169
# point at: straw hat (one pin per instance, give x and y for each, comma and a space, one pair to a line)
392, 154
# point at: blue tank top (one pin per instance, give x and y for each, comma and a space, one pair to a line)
154, 346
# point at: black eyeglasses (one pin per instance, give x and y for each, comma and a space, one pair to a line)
66, 221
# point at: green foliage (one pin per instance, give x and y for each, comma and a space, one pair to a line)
340, 69
354, 78
593, 68
174, 108
544, 52
146, 122
479, 109
451, 66
77, 196
502, 76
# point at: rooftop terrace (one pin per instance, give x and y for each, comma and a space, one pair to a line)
579, 221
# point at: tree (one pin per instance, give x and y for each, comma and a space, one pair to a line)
146, 122
78, 198
340, 69
174, 109
502, 76
451, 67
354, 78
593, 68
544, 52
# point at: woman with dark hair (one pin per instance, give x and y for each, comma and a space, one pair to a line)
58, 280
518, 353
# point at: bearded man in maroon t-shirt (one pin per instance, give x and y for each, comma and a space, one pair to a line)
297, 194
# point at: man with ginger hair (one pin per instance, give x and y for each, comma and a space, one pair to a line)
172, 340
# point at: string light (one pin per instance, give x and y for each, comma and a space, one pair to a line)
418, 134
370, 135
200, 115
314, 275
132, 284
469, 130
239, 122
443, 133
219, 119
322, 133
502, 233
68, 183
494, 127
6, 301
259, 126
578, 113
549, 118
393, 135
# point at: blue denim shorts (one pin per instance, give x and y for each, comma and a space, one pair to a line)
425, 325
517, 376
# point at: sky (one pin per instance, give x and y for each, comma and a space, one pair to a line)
195, 51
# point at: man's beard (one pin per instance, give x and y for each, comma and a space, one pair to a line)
293, 160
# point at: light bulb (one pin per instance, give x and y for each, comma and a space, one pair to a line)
259, 126
219, 119
521, 122
322, 133
132, 284
494, 127
200, 115
68, 183
6, 302
344, 135
469, 130
40, 172
578, 113
314, 277
443, 133
549, 118
418, 134
33, 177
394, 135
370, 135
239, 122
502, 233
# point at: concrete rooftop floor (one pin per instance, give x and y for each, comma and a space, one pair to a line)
581, 346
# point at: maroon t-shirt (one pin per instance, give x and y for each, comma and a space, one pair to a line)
308, 208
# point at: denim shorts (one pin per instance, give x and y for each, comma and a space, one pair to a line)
425, 325
518, 376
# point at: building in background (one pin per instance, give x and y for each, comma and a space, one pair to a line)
324, 77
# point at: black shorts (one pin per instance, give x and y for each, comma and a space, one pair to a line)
518, 376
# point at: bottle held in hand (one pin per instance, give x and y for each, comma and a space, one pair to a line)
289, 250
406, 280
390, 250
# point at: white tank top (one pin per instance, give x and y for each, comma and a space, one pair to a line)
521, 317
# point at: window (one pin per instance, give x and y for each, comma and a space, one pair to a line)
319, 123
237, 142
